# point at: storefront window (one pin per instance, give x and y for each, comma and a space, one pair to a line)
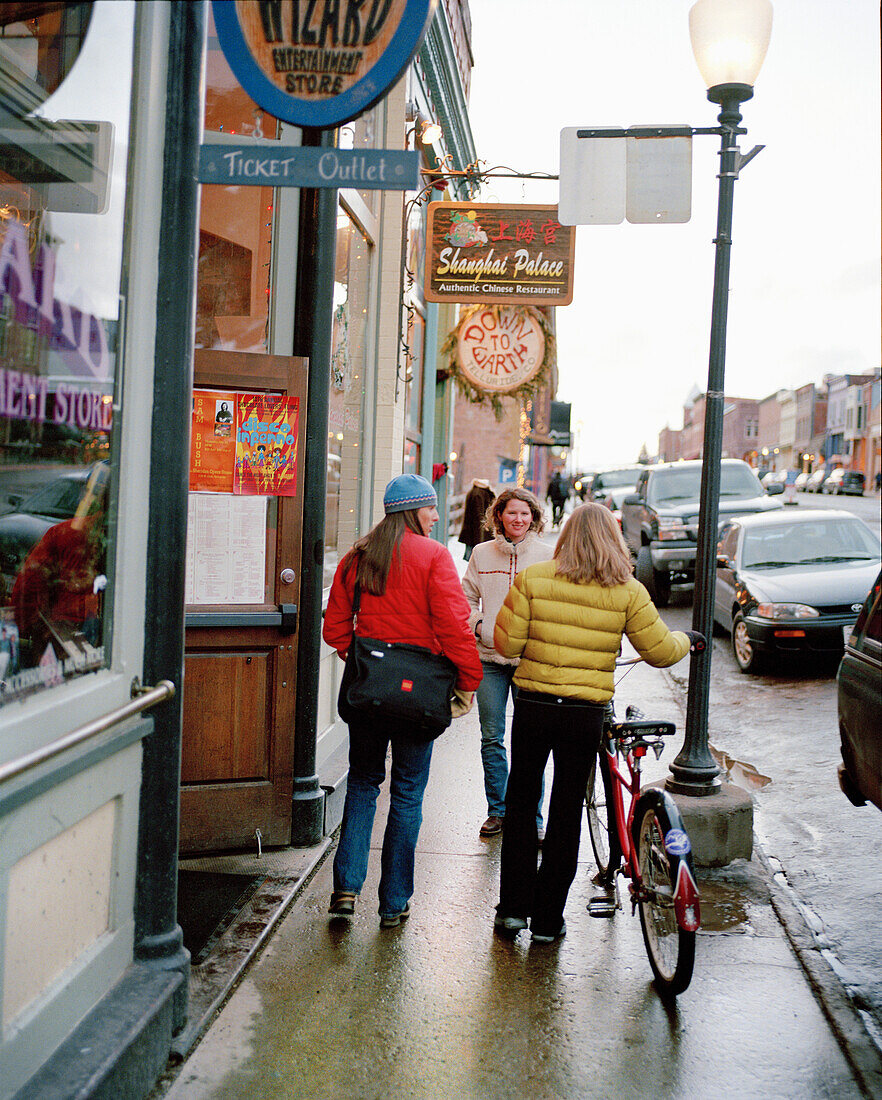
347, 397
235, 224
362, 133
65, 75
411, 464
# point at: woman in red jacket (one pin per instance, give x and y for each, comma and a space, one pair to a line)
410, 592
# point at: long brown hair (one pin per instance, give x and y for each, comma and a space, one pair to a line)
372, 553
493, 519
591, 548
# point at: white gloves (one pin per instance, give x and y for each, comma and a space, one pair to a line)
463, 701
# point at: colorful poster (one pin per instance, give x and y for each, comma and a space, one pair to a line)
266, 445
213, 442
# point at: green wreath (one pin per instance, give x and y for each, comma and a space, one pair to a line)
527, 390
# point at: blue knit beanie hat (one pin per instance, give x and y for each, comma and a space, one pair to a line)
408, 491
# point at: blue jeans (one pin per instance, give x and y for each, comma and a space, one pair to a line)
492, 699
368, 742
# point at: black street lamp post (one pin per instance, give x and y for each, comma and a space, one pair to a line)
729, 38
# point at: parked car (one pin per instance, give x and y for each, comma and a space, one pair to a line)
22, 528
792, 584
860, 705
610, 487
660, 519
817, 479
773, 477
845, 481
801, 482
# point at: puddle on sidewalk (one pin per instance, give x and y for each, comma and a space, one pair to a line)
723, 908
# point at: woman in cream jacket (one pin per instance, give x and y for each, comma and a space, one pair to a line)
565, 619
517, 521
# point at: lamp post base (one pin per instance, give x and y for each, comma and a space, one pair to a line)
720, 826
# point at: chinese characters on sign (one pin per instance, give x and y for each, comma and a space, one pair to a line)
244, 443
503, 254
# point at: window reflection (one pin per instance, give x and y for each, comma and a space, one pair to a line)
65, 71
346, 405
235, 225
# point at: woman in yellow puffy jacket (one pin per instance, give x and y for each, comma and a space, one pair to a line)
565, 619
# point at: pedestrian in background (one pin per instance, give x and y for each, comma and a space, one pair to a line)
790, 486
558, 493
517, 522
565, 619
474, 513
409, 592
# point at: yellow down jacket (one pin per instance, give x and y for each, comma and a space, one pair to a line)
568, 635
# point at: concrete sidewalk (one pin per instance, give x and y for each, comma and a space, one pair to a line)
441, 1007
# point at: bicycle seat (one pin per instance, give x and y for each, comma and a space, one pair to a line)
642, 729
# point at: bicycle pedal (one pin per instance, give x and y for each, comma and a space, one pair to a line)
602, 906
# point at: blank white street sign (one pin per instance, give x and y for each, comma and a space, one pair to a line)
592, 178
605, 179
658, 180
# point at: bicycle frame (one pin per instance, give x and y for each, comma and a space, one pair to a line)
632, 740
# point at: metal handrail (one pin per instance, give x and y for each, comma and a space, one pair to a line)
148, 697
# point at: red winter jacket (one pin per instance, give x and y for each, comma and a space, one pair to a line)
423, 604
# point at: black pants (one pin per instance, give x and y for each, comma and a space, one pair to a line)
571, 733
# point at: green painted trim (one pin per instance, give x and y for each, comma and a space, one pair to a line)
28, 787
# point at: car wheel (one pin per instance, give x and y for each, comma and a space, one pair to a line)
746, 657
656, 583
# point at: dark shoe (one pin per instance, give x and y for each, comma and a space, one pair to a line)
342, 904
509, 925
550, 937
492, 826
392, 920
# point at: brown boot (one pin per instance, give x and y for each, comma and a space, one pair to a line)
492, 826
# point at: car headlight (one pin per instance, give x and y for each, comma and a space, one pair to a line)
672, 527
786, 611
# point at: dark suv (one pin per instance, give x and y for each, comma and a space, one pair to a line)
660, 519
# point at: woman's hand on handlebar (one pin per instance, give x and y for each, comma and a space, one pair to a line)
697, 641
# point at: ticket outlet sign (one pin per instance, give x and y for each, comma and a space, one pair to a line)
484, 252
318, 63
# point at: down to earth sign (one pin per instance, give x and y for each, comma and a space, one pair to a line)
500, 349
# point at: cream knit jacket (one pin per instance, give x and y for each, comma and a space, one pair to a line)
491, 571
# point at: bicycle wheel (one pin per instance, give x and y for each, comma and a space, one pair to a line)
670, 948
601, 819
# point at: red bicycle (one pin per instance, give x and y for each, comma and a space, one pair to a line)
647, 845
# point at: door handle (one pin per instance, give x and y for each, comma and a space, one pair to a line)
287, 576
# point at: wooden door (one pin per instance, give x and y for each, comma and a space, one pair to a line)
241, 658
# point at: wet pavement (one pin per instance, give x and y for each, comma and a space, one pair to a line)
441, 1007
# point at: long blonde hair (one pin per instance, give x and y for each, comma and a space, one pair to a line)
591, 548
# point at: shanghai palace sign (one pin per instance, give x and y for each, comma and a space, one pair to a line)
484, 252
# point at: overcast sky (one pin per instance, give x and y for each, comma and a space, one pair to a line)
805, 284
